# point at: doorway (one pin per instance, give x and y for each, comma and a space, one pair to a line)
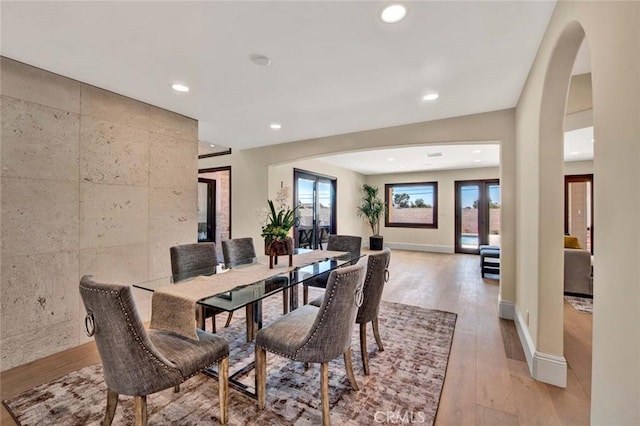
214, 206
315, 197
477, 214
578, 209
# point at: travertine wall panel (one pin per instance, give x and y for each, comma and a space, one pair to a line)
113, 153
38, 216
172, 162
38, 291
77, 199
114, 108
39, 142
113, 215
43, 88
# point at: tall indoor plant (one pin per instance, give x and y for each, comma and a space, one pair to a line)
372, 209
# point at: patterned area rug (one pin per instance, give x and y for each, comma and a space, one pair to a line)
581, 304
406, 382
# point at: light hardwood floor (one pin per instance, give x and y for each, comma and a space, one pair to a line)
487, 382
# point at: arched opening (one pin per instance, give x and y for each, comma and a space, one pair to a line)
550, 322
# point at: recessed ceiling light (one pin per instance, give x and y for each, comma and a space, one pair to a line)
430, 97
261, 60
477, 151
212, 145
593, 140
391, 159
434, 154
575, 152
393, 13
180, 87
477, 160
275, 126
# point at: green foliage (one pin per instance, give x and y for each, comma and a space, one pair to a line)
372, 207
401, 200
279, 223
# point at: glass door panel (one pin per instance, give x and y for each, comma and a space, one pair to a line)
493, 189
468, 230
315, 198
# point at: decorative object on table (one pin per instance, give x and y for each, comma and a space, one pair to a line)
276, 227
417, 344
372, 209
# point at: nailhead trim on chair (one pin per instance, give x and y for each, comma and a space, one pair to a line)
135, 335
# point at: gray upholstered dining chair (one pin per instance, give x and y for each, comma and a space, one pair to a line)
241, 251
137, 362
377, 274
348, 243
189, 260
319, 335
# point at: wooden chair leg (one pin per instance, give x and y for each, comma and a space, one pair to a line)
176, 389
112, 404
349, 367
363, 348
228, 319
285, 301
213, 323
324, 391
140, 406
376, 334
223, 389
200, 316
305, 294
261, 377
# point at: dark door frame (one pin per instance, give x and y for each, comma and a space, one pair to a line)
575, 179
222, 169
483, 213
333, 181
211, 208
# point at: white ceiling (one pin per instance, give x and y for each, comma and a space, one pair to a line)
335, 67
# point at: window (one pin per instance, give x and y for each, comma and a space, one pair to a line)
411, 205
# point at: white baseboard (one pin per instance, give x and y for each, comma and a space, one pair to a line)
547, 368
420, 247
506, 309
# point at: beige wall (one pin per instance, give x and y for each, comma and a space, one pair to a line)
251, 180
92, 182
347, 196
613, 33
442, 238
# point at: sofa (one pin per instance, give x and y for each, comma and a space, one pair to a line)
577, 272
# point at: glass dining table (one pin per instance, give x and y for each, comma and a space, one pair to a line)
249, 295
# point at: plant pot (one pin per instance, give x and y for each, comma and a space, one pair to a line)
279, 248
375, 242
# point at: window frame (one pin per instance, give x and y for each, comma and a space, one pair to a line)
388, 203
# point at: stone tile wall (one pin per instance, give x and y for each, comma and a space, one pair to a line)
91, 183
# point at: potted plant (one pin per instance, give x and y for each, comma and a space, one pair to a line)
276, 226
372, 209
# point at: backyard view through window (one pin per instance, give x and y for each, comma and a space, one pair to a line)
411, 205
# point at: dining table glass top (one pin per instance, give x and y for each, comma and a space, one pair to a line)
246, 293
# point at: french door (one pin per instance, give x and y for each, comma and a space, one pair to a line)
578, 209
315, 196
477, 214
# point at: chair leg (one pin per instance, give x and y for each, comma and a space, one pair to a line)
261, 377
376, 334
223, 389
228, 319
112, 404
324, 391
305, 294
140, 404
363, 348
349, 367
285, 301
213, 323
176, 389
200, 319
